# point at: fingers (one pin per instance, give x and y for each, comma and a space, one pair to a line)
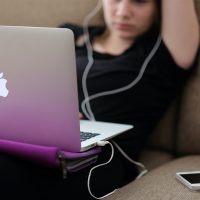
80, 115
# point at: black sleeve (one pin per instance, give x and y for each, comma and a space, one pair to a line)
77, 30
169, 70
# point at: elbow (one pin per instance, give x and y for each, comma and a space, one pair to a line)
185, 63
183, 47
185, 55
185, 59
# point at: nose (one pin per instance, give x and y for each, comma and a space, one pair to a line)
124, 8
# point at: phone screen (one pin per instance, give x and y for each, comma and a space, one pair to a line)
192, 178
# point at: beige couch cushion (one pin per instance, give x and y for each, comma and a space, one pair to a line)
163, 136
161, 184
197, 4
189, 125
159, 158
45, 12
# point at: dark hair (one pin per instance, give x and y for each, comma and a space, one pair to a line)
158, 1
158, 21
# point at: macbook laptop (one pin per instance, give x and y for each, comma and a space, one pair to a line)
38, 90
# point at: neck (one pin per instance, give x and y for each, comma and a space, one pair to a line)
111, 43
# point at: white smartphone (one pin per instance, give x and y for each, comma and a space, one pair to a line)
191, 179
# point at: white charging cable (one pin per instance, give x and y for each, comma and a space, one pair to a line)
101, 143
141, 167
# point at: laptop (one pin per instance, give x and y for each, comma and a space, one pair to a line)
38, 91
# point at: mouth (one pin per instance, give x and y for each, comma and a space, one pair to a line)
122, 26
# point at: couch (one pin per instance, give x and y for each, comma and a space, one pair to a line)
174, 145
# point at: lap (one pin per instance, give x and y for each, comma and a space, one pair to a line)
18, 175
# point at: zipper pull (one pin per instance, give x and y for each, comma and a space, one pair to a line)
63, 164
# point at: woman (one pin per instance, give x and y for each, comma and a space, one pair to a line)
132, 30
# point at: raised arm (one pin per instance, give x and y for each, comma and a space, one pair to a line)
180, 30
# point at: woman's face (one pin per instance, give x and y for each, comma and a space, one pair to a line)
129, 18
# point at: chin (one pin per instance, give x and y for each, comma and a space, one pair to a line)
128, 36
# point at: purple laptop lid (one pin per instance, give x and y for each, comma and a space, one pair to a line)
41, 106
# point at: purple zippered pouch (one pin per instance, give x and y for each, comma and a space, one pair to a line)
50, 156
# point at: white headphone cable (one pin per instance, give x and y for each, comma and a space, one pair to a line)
85, 105
88, 112
129, 86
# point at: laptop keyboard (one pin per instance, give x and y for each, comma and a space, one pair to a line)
87, 135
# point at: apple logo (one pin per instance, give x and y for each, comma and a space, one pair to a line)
3, 90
